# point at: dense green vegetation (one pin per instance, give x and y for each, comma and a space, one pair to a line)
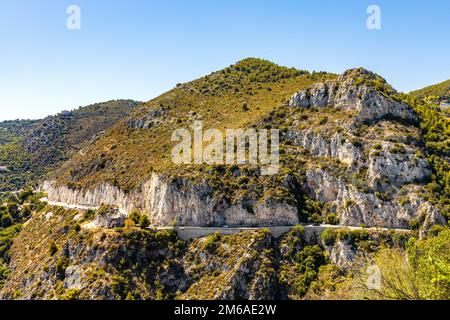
15, 209
420, 271
10, 131
299, 264
21, 170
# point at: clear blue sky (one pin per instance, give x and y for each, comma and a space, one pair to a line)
138, 49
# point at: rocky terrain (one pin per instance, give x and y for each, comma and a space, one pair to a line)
354, 153
349, 144
69, 260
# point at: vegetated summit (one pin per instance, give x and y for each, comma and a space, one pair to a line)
354, 152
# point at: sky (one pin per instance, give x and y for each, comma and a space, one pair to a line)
136, 49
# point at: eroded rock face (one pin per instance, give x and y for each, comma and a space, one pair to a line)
345, 93
335, 147
341, 254
247, 277
166, 201
110, 218
356, 207
389, 168
72, 278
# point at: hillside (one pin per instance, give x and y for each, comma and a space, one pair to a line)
57, 254
129, 153
441, 91
353, 150
133, 263
354, 153
30, 149
11, 131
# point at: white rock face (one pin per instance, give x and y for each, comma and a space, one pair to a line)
72, 279
149, 120
178, 200
355, 207
386, 168
319, 146
343, 93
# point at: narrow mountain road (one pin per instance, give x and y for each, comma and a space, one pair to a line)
191, 232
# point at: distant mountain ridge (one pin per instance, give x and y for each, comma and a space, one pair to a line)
31, 148
439, 90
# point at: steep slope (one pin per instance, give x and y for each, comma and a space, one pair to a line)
56, 256
235, 97
11, 131
351, 150
29, 149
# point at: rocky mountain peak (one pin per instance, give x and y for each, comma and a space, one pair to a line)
358, 73
357, 89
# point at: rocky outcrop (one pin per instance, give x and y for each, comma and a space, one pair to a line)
337, 146
167, 200
341, 253
346, 93
356, 207
391, 167
109, 218
152, 118
249, 272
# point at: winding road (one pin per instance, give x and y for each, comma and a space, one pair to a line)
191, 232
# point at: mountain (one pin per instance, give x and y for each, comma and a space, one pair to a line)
440, 90
352, 149
235, 97
31, 148
363, 182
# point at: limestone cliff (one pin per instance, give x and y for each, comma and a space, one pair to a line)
167, 201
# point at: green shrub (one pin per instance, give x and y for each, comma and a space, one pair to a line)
89, 214
212, 242
298, 229
53, 249
61, 266
323, 120
316, 218
332, 218
144, 221
135, 216
328, 237
349, 203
